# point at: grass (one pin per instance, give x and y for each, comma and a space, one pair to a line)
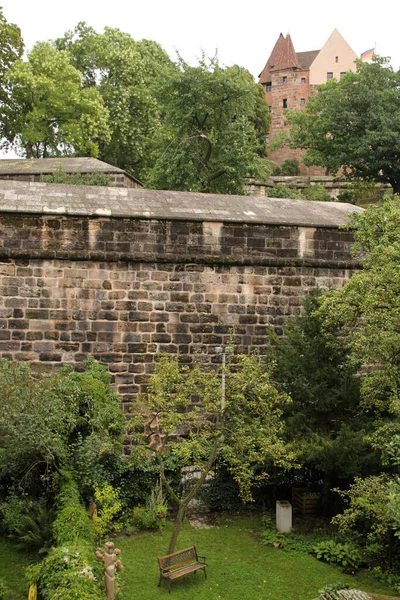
12, 568
240, 567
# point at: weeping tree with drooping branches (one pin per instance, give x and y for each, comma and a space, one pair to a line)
187, 421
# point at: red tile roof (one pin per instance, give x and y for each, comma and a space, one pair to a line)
283, 57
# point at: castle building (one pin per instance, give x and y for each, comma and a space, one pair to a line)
289, 79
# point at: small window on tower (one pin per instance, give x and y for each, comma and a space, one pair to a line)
284, 79
268, 86
336, 59
303, 80
284, 103
303, 101
270, 109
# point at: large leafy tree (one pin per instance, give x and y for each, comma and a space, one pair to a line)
213, 119
49, 112
186, 420
366, 312
354, 123
325, 421
11, 49
125, 72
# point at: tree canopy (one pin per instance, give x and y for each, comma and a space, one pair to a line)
186, 420
48, 112
125, 72
366, 312
214, 125
325, 421
354, 124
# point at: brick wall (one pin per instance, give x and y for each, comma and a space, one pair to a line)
124, 290
293, 91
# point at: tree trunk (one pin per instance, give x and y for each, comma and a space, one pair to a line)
183, 504
325, 494
177, 527
396, 187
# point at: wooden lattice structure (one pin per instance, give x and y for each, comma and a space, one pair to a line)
304, 501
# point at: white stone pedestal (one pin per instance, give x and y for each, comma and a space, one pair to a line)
283, 516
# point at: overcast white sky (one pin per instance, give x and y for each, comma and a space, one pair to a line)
243, 32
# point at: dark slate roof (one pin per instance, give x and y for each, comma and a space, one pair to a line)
45, 166
51, 199
307, 58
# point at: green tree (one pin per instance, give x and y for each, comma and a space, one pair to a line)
354, 123
214, 124
324, 422
11, 50
186, 421
69, 421
366, 312
49, 113
126, 73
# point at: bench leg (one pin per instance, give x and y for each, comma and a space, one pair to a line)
205, 573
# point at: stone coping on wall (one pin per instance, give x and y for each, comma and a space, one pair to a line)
57, 199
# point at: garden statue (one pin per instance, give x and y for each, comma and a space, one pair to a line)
111, 564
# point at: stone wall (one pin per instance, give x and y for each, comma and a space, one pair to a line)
124, 275
124, 290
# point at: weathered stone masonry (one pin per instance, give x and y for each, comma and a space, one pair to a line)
125, 288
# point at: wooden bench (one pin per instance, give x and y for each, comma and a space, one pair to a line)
179, 564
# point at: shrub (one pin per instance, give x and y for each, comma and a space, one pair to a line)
290, 166
108, 507
281, 191
344, 555
318, 193
60, 176
3, 590
69, 420
70, 571
361, 193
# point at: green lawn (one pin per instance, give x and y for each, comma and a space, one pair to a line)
12, 567
240, 567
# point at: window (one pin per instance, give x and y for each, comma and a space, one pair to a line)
270, 109
284, 79
268, 86
267, 138
342, 74
302, 101
303, 80
284, 103
336, 59
329, 76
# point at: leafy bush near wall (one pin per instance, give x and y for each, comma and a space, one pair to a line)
343, 555
361, 193
311, 192
59, 176
70, 571
290, 166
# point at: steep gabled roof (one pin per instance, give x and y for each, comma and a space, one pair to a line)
307, 58
283, 57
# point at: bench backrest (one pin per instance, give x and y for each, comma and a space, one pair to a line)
171, 561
